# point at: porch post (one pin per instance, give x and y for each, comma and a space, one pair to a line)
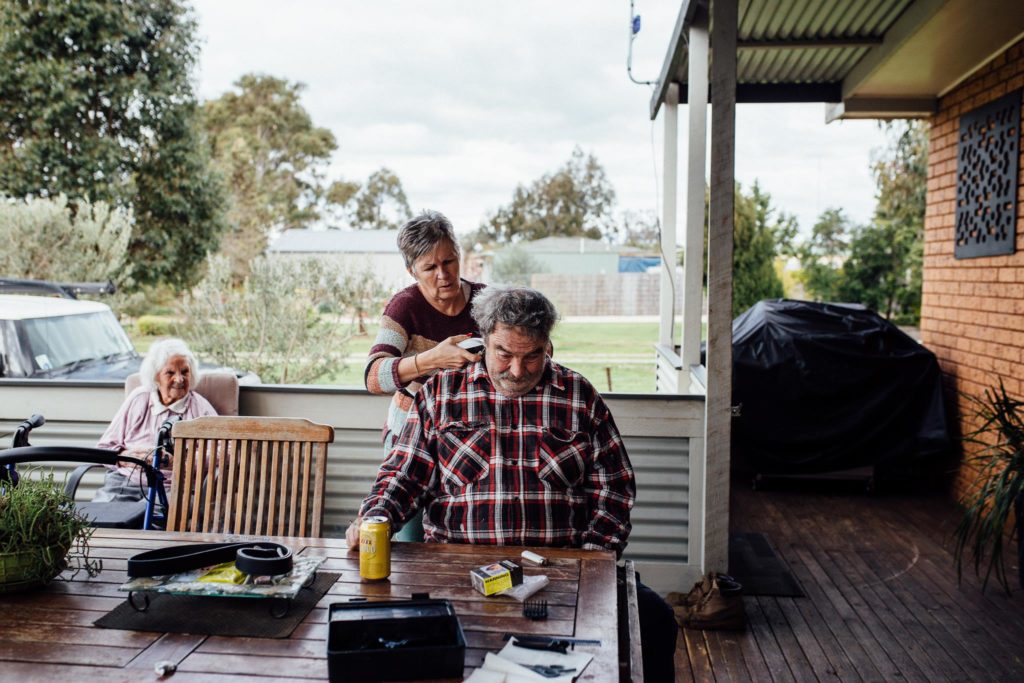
718, 411
693, 268
667, 288
693, 265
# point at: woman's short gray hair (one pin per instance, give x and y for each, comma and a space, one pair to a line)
521, 307
421, 234
157, 357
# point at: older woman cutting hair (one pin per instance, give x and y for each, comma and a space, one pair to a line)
169, 372
422, 325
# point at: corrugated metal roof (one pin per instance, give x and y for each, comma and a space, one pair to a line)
802, 41
767, 26
335, 241
868, 57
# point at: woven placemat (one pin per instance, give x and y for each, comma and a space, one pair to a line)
218, 616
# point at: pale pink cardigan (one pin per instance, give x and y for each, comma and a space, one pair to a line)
139, 419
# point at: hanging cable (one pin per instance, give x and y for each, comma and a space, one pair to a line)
634, 28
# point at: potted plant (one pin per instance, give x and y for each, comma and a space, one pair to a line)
998, 490
41, 533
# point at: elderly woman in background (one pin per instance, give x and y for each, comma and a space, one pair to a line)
169, 372
422, 325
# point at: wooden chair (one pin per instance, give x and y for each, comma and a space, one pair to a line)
261, 476
219, 388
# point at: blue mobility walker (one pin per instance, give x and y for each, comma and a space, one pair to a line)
113, 514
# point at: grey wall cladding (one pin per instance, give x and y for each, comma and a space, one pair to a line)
988, 158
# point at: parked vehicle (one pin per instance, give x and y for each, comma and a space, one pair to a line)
61, 336
46, 332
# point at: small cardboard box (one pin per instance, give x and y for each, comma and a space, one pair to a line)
496, 577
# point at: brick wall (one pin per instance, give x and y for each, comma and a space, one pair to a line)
972, 312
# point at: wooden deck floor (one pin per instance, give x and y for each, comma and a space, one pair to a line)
882, 601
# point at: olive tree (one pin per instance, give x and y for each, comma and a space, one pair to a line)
44, 239
278, 323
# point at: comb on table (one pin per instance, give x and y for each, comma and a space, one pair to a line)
535, 609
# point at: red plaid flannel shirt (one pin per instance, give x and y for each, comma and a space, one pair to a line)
544, 469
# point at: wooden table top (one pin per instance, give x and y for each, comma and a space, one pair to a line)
47, 634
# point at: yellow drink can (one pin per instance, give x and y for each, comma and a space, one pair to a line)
375, 549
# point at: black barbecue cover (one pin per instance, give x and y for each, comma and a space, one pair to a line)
826, 387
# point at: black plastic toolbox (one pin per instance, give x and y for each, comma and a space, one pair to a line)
398, 640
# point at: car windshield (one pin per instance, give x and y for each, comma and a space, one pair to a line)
64, 340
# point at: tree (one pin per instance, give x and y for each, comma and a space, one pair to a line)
884, 267
381, 203
640, 229
883, 272
45, 240
96, 103
574, 201
271, 324
264, 142
366, 295
514, 266
822, 256
754, 249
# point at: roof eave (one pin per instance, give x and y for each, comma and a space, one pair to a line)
676, 48
881, 108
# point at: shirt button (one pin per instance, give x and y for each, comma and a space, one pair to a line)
515, 497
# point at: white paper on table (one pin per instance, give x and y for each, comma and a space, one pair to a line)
514, 659
483, 675
514, 673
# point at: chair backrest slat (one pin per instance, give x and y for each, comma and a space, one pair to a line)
307, 453
296, 459
245, 475
224, 457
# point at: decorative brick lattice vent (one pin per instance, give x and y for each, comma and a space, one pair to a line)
988, 156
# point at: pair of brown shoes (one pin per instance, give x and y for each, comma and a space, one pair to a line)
714, 604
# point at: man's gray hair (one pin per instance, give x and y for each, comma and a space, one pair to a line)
519, 307
421, 234
157, 357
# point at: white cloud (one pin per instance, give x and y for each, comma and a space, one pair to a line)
466, 99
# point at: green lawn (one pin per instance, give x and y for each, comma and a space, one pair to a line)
625, 350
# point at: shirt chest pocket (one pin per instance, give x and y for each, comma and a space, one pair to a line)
464, 450
562, 456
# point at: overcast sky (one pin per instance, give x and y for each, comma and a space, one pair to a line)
464, 100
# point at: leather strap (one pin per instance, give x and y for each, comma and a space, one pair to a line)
260, 558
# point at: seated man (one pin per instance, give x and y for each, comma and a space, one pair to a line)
517, 450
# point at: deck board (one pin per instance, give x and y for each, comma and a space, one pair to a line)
883, 601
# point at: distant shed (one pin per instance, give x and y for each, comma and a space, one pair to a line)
573, 255
356, 250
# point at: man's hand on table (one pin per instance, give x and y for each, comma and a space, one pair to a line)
352, 535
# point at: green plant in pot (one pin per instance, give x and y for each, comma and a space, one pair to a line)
41, 533
996, 500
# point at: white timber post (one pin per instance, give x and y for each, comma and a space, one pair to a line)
667, 289
718, 404
693, 268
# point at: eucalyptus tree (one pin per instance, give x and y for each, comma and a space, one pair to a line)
96, 104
